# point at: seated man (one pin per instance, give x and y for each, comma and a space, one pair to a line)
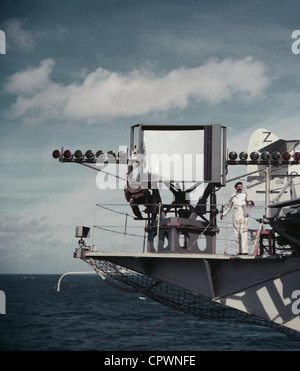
136, 195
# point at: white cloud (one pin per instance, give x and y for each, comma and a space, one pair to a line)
106, 95
41, 238
17, 37
32, 80
22, 240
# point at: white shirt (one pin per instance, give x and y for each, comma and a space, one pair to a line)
237, 201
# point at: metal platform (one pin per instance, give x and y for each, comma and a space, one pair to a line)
109, 254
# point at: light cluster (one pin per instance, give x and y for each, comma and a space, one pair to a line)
89, 156
263, 157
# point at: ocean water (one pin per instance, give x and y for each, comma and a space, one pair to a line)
89, 315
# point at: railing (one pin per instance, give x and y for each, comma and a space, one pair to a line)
122, 226
68, 273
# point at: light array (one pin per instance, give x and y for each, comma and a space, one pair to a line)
262, 158
89, 156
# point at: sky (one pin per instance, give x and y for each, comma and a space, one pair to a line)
79, 74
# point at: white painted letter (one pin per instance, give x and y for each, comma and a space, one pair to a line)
295, 305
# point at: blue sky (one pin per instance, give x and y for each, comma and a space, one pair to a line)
79, 73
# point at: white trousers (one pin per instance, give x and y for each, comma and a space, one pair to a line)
240, 226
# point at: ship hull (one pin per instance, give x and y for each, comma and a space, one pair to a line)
263, 286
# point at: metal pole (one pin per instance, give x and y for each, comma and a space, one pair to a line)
226, 239
93, 230
65, 274
158, 223
144, 236
125, 230
267, 196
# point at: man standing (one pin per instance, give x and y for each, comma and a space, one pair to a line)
239, 218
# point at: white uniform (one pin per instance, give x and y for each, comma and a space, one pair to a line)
240, 220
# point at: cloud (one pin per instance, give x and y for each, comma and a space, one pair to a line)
106, 94
32, 80
17, 37
21, 241
14, 228
40, 237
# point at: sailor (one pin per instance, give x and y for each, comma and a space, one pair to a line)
239, 218
135, 195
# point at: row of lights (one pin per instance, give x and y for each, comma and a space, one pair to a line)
89, 155
264, 156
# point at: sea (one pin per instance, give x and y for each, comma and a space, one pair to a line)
88, 315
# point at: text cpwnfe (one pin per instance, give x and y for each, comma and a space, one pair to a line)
153, 360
